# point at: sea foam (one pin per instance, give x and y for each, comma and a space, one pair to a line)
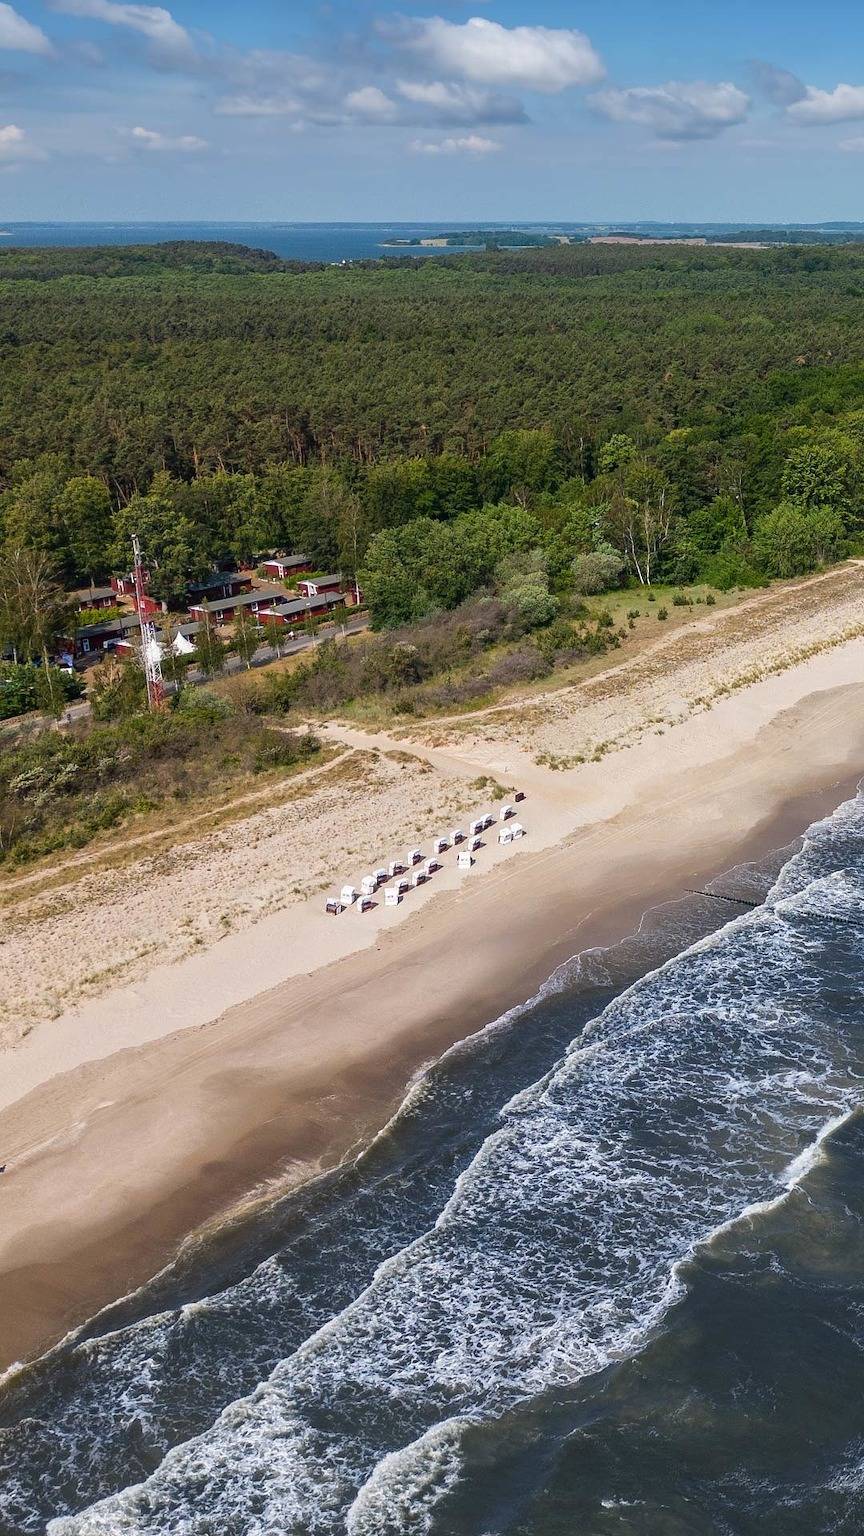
565, 1240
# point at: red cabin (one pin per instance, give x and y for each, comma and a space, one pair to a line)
94, 597
319, 586
225, 610
285, 567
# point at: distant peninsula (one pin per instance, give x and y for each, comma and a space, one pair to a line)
744, 236
480, 238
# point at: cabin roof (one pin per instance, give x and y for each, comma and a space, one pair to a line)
85, 595
242, 600
126, 622
215, 579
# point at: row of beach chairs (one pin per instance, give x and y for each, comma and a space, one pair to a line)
417, 869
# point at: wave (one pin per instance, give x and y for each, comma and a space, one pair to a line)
563, 1245
104, 1406
102, 1409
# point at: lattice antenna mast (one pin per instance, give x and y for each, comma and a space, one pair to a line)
151, 658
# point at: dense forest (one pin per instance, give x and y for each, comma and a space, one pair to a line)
595, 413
184, 369
42, 263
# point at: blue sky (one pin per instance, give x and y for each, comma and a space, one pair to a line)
488, 109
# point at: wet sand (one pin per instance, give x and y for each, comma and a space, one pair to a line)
112, 1164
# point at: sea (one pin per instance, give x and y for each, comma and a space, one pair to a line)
601, 1275
334, 243
344, 242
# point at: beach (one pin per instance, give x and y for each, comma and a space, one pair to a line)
110, 1165
138, 1116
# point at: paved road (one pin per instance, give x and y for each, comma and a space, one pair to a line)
264, 655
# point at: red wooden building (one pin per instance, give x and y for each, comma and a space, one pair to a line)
216, 586
285, 567
94, 639
94, 597
224, 610
319, 586
292, 612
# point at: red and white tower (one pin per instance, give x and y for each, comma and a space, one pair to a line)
151, 656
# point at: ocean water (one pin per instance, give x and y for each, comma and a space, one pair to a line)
293, 242
328, 242
602, 1275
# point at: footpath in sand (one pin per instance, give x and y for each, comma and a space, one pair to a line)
135, 1106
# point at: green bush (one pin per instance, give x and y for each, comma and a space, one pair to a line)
88, 616
24, 687
558, 636
201, 704
275, 695
118, 689
728, 569
794, 538
534, 604
597, 571
284, 749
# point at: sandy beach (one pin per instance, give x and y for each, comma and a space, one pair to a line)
130, 1117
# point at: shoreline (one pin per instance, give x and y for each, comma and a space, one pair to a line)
126, 1154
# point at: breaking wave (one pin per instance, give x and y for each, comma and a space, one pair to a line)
694, 1101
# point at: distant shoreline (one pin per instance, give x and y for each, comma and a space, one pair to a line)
335, 243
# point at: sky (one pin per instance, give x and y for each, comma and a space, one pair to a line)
465, 109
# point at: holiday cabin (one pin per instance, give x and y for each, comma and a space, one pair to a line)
319, 586
224, 610
285, 567
93, 597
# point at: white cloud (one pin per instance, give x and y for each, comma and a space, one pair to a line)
21, 35
433, 93
259, 106
537, 58
695, 109
843, 104
406, 103
446, 102
471, 144
170, 42
149, 139
15, 147
853, 146
371, 105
